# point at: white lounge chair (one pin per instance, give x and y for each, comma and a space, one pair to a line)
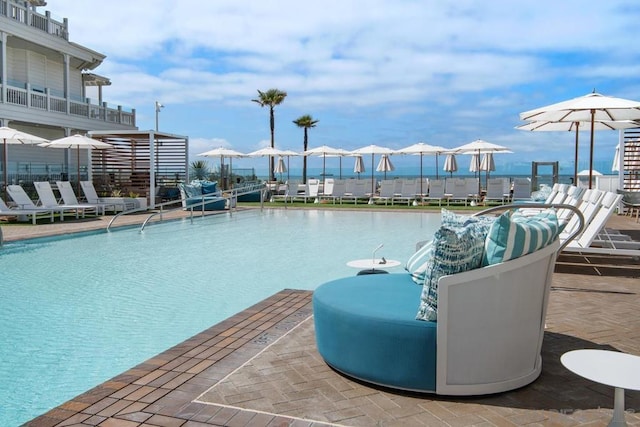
69, 197
595, 239
409, 191
22, 200
521, 189
360, 191
495, 190
386, 192
5, 211
337, 191
48, 200
91, 196
436, 192
460, 192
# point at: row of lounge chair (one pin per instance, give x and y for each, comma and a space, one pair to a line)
597, 207
450, 190
49, 206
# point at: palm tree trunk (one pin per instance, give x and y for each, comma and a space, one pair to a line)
304, 159
271, 159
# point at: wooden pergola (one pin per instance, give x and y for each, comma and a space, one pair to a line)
140, 162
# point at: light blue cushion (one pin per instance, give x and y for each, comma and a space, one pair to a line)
192, 190
514, 235
209, 187
418, 262
454, 249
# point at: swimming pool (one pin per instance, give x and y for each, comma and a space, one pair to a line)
77, 311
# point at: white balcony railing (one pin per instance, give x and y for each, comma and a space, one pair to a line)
46, 102
18, 12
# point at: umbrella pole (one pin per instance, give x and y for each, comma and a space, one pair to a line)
421, 192
575, 161
78, 182
340, 167
372, 177
436, 165
230, 171
593, 113
4, 167
288, 168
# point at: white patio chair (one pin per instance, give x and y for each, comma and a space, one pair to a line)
6, 211
22, 200
69, 197
48, 200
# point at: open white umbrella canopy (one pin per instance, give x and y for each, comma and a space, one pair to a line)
79, 142
547, 126
385, 165
325, 151
373, 150
588, 108
269, 152
420, 149
223, 152
478, 147
450, 164
13, 136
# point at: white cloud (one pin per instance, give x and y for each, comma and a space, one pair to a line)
372, 69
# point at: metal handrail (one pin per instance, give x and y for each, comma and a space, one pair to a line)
232, 197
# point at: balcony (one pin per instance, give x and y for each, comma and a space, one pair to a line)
43, 100
29, 17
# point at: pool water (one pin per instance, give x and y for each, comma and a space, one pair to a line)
76, 311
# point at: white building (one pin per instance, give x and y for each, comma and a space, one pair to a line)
43, 91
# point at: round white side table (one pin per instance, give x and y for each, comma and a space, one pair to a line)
373, 266
612, 368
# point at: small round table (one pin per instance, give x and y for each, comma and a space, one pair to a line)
612, 368
373, 266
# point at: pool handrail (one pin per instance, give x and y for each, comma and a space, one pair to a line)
230, 195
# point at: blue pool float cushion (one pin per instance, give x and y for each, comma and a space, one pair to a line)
365, 327
196, 189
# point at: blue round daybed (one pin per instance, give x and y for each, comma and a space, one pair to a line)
366, 327
487, 339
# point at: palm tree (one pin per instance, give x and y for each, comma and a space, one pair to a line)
305, 122
199, 169
272, 97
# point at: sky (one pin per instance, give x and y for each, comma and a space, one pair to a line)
390, 73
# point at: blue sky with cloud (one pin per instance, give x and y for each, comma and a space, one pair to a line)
381, 72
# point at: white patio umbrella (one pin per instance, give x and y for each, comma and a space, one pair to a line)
588, 108
487, 165
324, 151
373, 150
474, 164
358, 166
421, 149
478, 147
385, 165
547, 126
450, 164
13, 136
269, 152
79, 142
615, 167
280, 167
223, 152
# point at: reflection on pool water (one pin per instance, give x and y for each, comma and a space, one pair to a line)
77, 311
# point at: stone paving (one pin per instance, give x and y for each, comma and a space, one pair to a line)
260, 367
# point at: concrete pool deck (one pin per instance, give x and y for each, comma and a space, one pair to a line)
260, 367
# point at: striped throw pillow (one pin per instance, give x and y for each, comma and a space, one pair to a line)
514, 235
